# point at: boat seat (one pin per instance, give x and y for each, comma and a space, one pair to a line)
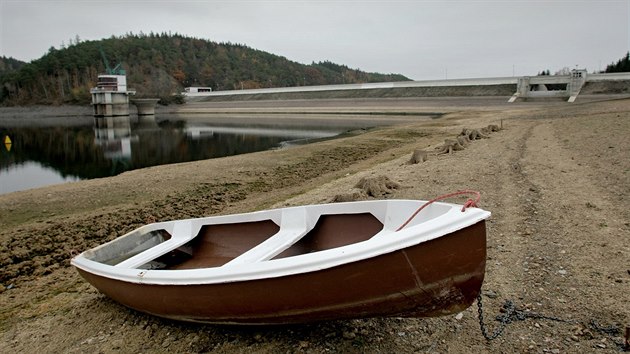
182, 233
293, 226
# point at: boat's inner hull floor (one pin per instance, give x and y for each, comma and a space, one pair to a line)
216, 245
332, 231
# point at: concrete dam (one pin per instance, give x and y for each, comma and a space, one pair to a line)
567, 87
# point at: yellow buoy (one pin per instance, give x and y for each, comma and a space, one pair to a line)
7, 143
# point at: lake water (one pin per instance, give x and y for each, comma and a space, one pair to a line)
100, 147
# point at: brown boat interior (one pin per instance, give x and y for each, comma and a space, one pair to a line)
216, 245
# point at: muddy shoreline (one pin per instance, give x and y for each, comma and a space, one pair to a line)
556, 179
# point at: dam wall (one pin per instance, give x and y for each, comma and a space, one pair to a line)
511, 87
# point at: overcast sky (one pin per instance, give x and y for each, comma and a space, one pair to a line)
419, 39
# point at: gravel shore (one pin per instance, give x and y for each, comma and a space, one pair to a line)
556, 178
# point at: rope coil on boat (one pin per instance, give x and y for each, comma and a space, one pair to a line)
468, 204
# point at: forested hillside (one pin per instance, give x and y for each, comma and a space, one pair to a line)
159, 65
8, 65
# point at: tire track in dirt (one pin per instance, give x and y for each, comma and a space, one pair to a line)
548, 249
583, 237
562, 263
513, 200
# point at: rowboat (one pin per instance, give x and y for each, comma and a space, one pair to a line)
298, 264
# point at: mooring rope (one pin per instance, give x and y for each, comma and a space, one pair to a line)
469, 203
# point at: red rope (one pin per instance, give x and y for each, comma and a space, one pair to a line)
469, 203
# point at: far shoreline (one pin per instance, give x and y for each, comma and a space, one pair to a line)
390, 107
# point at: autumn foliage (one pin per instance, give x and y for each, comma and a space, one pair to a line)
159, 65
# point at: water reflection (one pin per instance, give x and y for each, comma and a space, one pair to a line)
113, 145
113, 136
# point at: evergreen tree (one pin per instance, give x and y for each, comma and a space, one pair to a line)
622, 65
